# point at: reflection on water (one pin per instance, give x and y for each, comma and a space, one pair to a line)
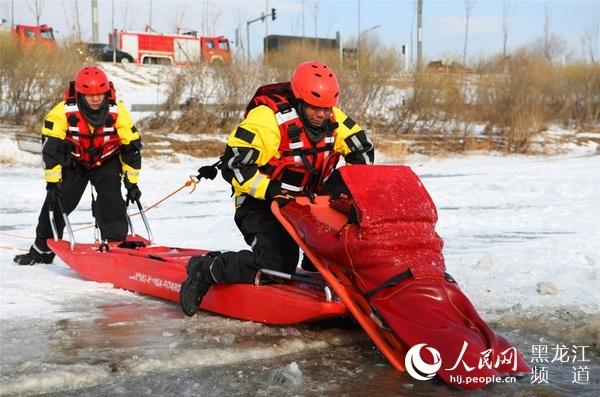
154, 350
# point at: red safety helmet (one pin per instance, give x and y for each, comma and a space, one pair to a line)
91, 80
316, 84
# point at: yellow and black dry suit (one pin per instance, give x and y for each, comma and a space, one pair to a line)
74, 152
271, 147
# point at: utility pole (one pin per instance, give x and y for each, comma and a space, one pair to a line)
95, 36
272, 14
420, 34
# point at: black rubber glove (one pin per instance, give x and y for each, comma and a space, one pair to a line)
52, 194
133, 192
207, 172
280, 196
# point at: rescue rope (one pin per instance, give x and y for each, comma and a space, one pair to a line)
193, 181
14, 235
6, 247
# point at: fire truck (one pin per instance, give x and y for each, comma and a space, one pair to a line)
29, 34
188, 48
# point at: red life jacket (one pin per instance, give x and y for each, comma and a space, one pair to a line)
91, 149
304, 166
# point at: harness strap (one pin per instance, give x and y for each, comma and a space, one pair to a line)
395, 280
70, 97
298, 152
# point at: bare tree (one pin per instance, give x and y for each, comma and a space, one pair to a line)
6, 10
215, 14
331, 22
469, 4
506, 20
204, 21
125, 7
240, 23
178, 18
303, 32
74, 25
590, 41
551, 48
211, 13
547, 34
37, 8
314, 6
150, 15
296, 25
77, 22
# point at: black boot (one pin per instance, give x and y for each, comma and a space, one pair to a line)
197, 284
34, 257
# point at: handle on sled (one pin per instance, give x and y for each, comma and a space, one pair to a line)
295, 277
61, 209
146, 224
130, 224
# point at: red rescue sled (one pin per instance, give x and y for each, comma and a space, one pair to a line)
159, 271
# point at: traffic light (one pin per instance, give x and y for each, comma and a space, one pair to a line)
273, 14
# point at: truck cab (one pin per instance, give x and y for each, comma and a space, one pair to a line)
35, 35
216, 50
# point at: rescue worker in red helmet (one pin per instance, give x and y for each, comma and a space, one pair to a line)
288, 144
87, 137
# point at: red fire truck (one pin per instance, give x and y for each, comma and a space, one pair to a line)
166, 49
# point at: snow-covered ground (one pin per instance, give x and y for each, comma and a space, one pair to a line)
522, 238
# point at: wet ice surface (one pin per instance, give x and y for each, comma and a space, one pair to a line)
150, 349
521, 237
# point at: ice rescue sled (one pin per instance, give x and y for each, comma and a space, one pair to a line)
380, 253
158, 271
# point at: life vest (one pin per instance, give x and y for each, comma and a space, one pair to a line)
91, 149
303, 165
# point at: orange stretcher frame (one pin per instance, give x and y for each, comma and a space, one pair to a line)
386, 341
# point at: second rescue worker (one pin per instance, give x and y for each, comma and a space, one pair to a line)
88, 137
288, 144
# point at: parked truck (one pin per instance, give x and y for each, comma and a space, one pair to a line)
28, 35
150, 47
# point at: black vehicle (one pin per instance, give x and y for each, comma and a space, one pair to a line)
103, 52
